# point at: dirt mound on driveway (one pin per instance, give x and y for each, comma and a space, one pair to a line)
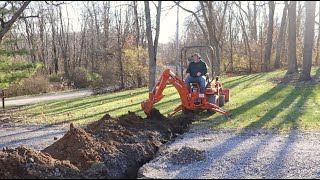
25, 163
117, 147
77, 146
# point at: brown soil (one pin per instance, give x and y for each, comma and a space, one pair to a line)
26, 163
108, 148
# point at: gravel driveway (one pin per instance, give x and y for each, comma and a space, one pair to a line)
32, 135
230, 154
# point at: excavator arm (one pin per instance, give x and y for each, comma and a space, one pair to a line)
156, 94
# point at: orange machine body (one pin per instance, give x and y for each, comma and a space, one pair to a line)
189, 98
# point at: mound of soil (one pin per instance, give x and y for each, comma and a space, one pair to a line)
25, 163
117, 147
108, 148
77, 146
187, 155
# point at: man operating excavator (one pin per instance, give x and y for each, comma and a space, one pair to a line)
205, 94
196, 73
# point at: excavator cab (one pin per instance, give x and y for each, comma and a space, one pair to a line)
212, 100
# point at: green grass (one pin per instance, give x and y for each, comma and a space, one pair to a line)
255, 103
11, 72
88, 109
259, 103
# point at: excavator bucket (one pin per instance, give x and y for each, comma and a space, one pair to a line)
147, 107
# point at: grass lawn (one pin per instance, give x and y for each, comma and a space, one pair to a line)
256, 102
11, 72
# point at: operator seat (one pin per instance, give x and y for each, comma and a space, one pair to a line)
207, 81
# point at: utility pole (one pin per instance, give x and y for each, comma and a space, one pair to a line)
177, 43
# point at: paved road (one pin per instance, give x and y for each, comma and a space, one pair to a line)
27, 100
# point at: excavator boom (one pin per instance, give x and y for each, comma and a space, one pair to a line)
156, 94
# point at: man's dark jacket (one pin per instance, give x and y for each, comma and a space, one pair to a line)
194, 68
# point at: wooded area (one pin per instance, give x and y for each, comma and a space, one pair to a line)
118, 43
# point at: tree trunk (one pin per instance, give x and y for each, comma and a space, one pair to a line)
54, 48
63, 45
281, 37
292, 42
318, 42
97, 39
30, 39
261, 46
152, 46
120, 33
106, 23
308, 40
255, 36
41, 34
136, 18
231, 41
267, 53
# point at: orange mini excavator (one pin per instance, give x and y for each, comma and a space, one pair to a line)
212, 100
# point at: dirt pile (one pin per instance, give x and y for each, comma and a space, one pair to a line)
108, 148
116, 147
187, 155
26, 163
77, 146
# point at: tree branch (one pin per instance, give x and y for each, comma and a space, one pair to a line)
32, 16
157, 27
58, 4
222, 23
197, 18
15, 16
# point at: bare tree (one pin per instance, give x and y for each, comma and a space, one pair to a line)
267, 53
152, 46
64, 41
308, 40
318, 41
292, 44
122, 28
281, 36
231, 48
30, 38
54, 46
214, 29
254, 29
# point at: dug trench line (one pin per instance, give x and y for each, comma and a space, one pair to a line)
111, 148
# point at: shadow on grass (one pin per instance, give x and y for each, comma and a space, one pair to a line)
238, 78
291, 118
317, 75
249, 105
74, 120
233, 142
250, 78
79, 101
93, 104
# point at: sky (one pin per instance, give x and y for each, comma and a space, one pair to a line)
169, 20
168, 17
